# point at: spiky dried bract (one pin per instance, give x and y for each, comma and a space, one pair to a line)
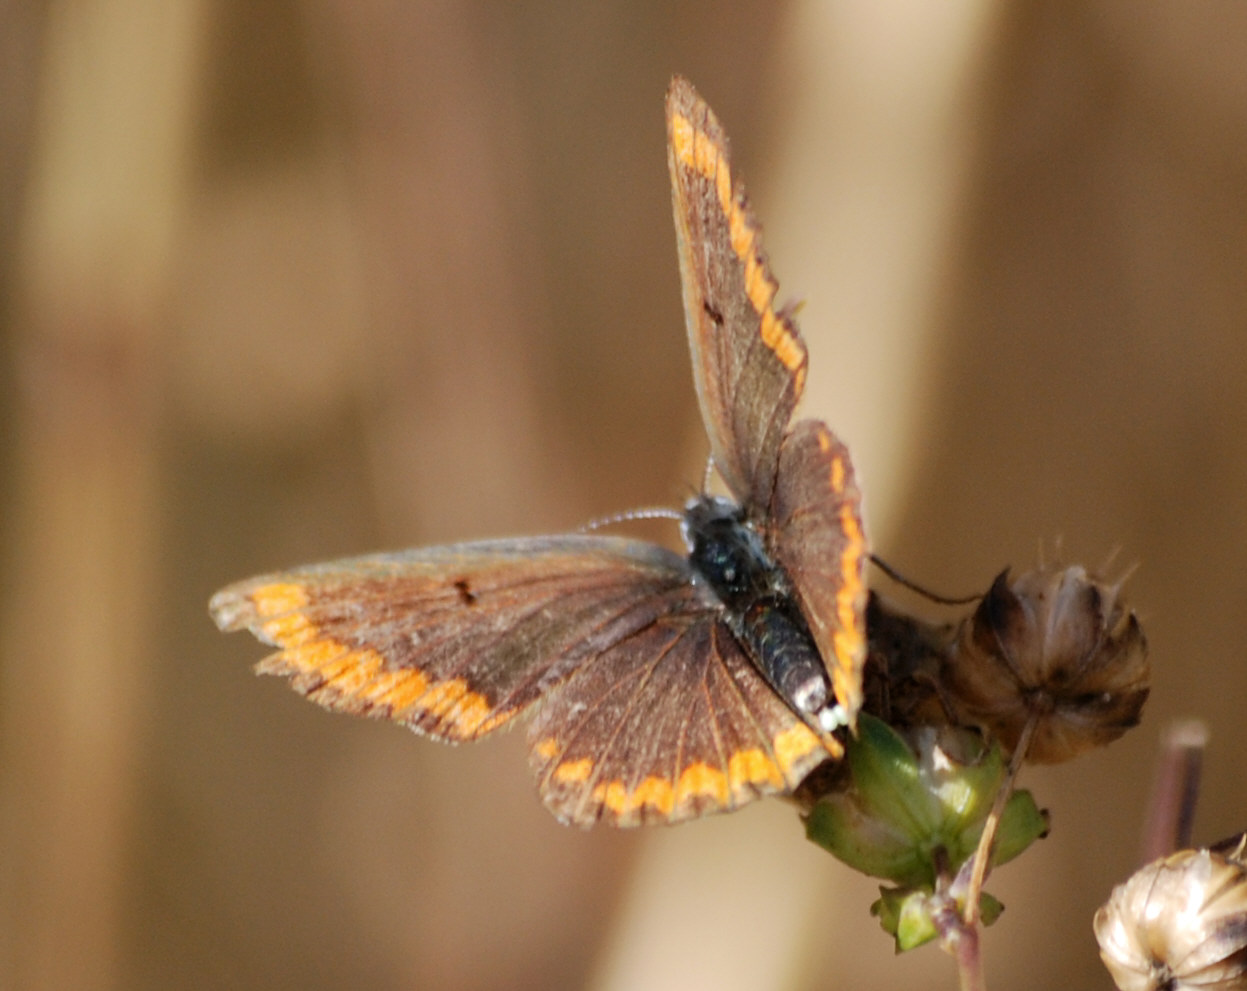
1178, 923
1057, 645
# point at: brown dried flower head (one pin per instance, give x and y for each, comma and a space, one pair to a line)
1056, 645
1178, 923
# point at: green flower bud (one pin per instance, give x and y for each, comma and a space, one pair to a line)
913, 915
913, 813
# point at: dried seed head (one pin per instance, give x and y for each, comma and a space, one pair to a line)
1056, 645
1178, 923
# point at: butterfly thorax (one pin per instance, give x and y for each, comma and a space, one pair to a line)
729, 557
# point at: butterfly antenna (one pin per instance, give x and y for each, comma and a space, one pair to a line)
705, 475
913, 586
654, 513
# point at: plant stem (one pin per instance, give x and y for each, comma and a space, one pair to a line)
983, 854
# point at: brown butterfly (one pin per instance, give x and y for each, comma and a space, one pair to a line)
664, 686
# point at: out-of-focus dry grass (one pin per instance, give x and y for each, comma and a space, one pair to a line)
289, 281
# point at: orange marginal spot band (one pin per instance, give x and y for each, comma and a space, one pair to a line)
798, 742
574, 771
791, 355
682, 138
758, 286
350, 673
723, 186
849, 641
278, 599
706, 155
653, 791
741, 234
346, 677
400, 690
837, 464
696, 781
701, 779
746, 768
469, 712
697, 151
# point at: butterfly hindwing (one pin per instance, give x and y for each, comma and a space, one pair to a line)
673, 723
818, 538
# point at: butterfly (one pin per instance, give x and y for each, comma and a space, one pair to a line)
662, 686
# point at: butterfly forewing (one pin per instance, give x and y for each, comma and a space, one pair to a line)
818, 538
452, 641
748, 357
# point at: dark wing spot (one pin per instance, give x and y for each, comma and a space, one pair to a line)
466, 595
712, 313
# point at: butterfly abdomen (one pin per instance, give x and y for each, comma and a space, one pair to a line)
728, 556
779, 642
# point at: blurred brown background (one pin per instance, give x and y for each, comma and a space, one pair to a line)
282, 282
